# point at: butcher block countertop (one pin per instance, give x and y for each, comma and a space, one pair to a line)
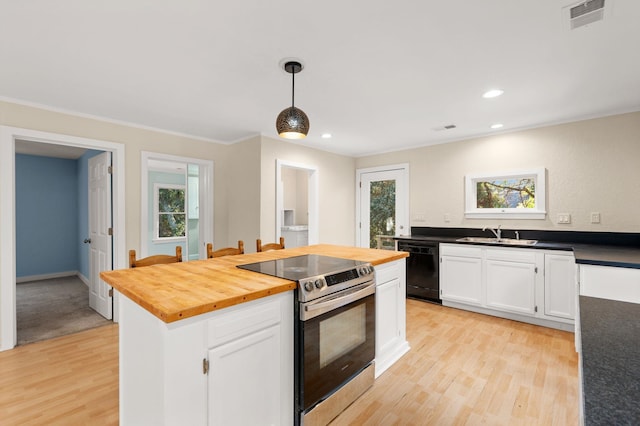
177, 291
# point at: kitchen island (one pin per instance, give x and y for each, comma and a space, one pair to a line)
202, 341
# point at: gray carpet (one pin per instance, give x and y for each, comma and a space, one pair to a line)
50, 308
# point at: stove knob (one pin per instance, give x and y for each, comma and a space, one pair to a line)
308, 286
318, 283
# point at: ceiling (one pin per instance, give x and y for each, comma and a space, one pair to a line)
48, 150
379, 75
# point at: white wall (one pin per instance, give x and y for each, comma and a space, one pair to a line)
295, 193
242, 186
135, 141
336, 186
592, 166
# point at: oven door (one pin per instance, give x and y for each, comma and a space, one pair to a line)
336, 344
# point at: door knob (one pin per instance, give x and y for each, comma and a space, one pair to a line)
87, 240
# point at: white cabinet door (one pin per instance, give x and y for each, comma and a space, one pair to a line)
559, 286
511, 286
461, 279
245, 380
391, 319
387, 329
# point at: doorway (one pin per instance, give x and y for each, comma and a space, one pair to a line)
296, 203
382, 205
183, 181
8, 138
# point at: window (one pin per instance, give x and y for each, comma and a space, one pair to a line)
169, 212
507, 195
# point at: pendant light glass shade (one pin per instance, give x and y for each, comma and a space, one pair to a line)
292, 122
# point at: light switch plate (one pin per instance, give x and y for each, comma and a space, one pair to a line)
419, 217
564, 218
595, 217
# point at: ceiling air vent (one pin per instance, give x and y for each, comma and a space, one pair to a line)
586, 13
447, 127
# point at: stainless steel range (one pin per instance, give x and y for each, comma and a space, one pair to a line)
334, 331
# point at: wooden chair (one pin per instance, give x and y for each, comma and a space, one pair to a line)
270, 246
155, 259
227, 251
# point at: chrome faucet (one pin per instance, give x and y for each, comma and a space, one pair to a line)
496, 232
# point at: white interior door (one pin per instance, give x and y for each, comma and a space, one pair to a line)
101, 254
383, 206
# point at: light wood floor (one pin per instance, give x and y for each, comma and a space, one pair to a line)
471, 369
463, 369
69, 380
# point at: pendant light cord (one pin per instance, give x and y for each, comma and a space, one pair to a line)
293, 87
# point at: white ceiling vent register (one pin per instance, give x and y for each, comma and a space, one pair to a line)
586, 12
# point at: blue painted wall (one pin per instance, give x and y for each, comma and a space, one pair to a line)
47, 215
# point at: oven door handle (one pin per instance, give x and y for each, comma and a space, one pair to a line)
312, 310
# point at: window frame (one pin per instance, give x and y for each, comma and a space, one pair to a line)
471, 202
156, 213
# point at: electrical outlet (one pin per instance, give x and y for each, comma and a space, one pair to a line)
447, 217
564, 218
595, 217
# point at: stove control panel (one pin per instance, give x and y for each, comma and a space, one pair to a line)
314, 287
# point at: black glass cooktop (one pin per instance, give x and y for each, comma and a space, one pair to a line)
301, 267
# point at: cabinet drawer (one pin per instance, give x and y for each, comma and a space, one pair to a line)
232, 325
460, 250
511, 255
387, 272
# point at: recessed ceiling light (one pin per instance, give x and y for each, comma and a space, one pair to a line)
493, 93
496, 126
326, 136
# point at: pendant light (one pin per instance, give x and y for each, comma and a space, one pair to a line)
292, 122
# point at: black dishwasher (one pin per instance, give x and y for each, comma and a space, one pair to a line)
422, 269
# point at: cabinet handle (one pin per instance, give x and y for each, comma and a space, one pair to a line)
205, 366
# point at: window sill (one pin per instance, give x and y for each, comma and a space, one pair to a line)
541, 215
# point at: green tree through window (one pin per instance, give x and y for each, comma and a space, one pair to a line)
383, 210
171, 212
506, 193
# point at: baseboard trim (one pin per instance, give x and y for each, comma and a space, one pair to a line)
558, 325
46, 276
84, 279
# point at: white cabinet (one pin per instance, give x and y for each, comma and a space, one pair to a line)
511, 280
559, 285
608, 282
391, 339
251, 359
295, 236
530, 285
461, 274
246, 371
247, 350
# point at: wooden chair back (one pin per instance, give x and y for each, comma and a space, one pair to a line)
271, 246
155, 259
227, 251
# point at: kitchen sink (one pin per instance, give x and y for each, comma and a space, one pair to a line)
491, 240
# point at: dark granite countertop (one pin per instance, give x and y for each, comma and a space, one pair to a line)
625, 257
588, 248
610, 334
